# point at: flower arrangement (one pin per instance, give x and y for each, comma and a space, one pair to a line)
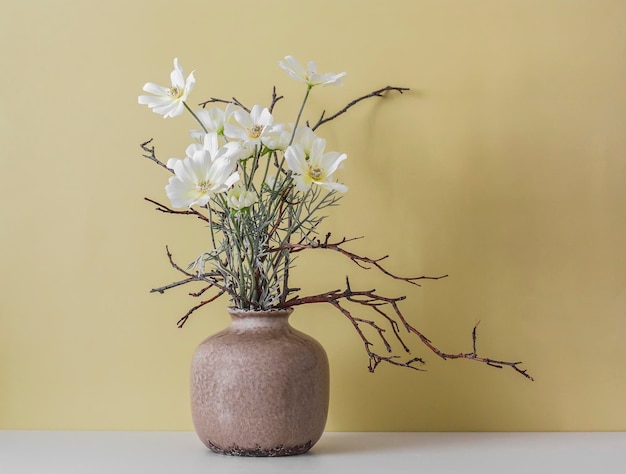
261, 188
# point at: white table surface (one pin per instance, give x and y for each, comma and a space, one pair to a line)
94, 452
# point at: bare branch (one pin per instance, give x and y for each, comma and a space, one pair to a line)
223, 101
151, 154
361, 261
214, 279
212, 100
474, 338
163, 289
188, 212
370, 299
374, 358
196, 294
181, 322
377, 93
275, 99
461, 355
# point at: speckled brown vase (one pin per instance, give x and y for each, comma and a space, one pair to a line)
260, 387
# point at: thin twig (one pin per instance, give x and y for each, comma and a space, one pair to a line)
373, 300
374, 358
187, 212
359, 260
377, 93
151, 154
223, 101
461, 355
275, 99
474, 338
163, 289
181, 322
214, 279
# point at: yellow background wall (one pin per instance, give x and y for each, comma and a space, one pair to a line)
504, 167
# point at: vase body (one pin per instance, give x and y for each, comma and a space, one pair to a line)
259, 387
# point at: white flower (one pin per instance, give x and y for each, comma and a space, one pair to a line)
198, 177
305, 137
277, 137
239, 198
310, 74
208, 143
213, 120
235, 151
232, 151
317, 168
169, 101
250, 127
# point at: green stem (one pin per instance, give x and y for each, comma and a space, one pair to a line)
267, 168
295, 126
195, 116
234, 251
255, 164
210, 216
243, 165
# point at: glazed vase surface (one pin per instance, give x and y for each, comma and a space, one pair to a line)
259, 387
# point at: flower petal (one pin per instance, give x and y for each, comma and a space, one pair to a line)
331, 161
332, 186
296, 160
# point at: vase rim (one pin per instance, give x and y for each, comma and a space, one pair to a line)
255, 312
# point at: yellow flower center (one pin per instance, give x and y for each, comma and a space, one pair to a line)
255, 131
175, 92
203, 187
315, 173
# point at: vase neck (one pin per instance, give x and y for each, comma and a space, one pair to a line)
273, 319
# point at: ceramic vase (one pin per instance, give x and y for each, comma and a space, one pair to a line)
259, 387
